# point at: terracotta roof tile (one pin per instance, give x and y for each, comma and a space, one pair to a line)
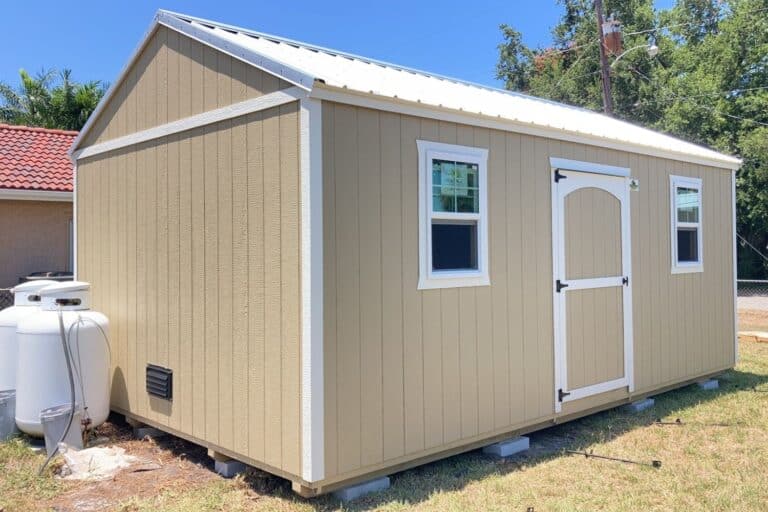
35, 158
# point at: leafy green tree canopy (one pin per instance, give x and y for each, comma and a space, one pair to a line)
707, 84
49, 100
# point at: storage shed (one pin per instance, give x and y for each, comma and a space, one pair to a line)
348, 267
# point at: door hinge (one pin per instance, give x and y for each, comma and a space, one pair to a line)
561, 394
559, 285
625, 281
559, 176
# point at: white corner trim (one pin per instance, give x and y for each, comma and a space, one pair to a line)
735, 274
565, 164
74, 221
428, 278
220, 40
387, 104
13, 194
694, 266
265, 102
312, 394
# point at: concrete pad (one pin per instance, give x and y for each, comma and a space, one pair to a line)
638, 406
709, 385
358, 490
508, 447
228, 468
145, 431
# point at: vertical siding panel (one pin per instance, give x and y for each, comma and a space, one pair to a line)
413, 341
240, 284
173, 269
369, 215
483, 320
111, 293
392, 287
290, 294
186, 419
161, 73
497, 209
256, 289
432, 342
330, 307
224, 232
161, 241
132, 277
348, 351
272, 286
528, 282
142, 192
211, 215
542, 183
518, 387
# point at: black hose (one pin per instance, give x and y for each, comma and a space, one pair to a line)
65, 346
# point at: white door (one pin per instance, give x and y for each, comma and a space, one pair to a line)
592, 284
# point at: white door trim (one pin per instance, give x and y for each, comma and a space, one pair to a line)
619, 187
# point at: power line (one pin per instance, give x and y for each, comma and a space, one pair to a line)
684, 98
745, 241
683, 24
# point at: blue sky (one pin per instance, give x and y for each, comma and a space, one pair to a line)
458, 39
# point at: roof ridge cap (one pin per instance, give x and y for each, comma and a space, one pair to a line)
38, 129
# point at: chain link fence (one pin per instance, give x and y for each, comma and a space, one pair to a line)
752, 287
6, 298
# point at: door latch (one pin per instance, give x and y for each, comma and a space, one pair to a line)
559, 285
561, 394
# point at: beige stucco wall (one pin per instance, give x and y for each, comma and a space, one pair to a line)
35, 237
410, 373
191, 243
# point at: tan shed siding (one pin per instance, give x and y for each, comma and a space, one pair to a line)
35, 237
409, 372
173, 78
192, 245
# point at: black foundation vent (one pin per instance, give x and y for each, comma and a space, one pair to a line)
160, 382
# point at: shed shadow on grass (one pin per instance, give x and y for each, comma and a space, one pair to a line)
418, 484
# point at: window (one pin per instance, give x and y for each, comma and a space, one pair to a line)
686, 224
453, 213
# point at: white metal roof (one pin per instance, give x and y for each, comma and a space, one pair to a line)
313, 67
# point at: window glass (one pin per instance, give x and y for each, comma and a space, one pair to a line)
687, 202
455, 187
687, 245
454, 246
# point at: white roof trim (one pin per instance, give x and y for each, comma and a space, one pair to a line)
13, 194
271, 100
196, 29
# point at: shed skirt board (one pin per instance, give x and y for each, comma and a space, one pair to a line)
592, 297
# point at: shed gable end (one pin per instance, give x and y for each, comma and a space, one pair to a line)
174, 77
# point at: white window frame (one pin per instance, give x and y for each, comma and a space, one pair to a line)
431, 279
678, 267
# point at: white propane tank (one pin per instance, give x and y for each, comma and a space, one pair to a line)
26, 301
42, 377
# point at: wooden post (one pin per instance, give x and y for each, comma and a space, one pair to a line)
604, 68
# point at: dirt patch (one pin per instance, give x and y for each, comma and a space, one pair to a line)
753, 319
171, 464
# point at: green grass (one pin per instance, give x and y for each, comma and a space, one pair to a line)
703, 467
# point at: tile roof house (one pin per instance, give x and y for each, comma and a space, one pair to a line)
36, 188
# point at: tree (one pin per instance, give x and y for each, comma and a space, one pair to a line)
708, 84
49, 100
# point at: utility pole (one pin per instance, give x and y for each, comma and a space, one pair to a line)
604, 68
